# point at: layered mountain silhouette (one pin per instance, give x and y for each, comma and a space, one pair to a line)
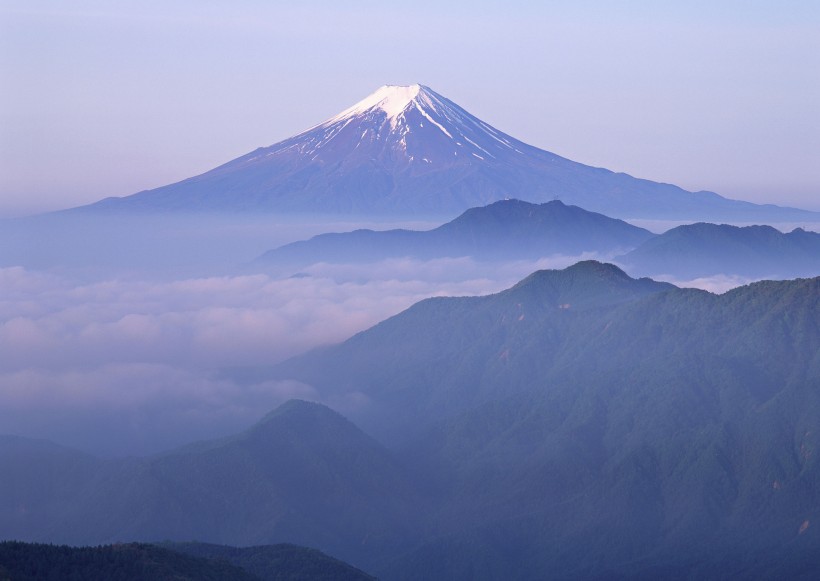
710, 249
303, 473
579, 425
409, 151
445, 355
601, 426
505, 230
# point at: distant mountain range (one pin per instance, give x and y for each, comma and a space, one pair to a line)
408, 151
581, 424
505, 230
514, 230
709, 249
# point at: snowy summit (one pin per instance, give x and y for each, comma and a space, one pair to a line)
406, 120
392, 99
408, 151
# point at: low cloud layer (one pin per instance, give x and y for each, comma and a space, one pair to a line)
718, 284
125, 366
135, 366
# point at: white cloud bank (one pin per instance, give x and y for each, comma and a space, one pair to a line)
133, 366
125, 366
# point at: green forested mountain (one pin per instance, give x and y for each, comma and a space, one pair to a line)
579, 425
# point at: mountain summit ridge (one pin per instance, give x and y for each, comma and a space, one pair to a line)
398, 118
504, 230
392, 100
408, 151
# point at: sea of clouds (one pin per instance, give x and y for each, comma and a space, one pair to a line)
133, 366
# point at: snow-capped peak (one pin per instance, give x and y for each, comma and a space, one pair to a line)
391, 99
413, 122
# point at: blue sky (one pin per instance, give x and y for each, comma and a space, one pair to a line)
109, 98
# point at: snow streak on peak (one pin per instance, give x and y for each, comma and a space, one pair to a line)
413, 123
391, 99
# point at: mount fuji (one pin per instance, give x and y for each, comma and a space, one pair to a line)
407, 151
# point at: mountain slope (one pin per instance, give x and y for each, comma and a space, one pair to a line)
171, 561
408, 151
39, 484
276, 562
709, 249
302, 475
134, 562
579, 425
445, 355
505, 230
635, 433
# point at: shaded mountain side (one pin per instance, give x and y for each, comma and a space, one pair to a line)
447, 354
680, 440
408, 151
302, 475
276, 562
664, 459
128, 562
40, 483
579, 425
709, 249
505, 230
658, 432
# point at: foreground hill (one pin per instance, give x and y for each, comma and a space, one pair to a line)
709, 249
506, 230
302, 475
128, 562
170, 561
579, 425
276, 562
408, 151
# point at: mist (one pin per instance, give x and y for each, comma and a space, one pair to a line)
115, 331
131, 364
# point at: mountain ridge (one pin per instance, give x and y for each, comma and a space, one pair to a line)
583, 422
704, 249
409, 151
503, 230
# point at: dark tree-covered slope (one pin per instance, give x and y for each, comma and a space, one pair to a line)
282, 562
126, 562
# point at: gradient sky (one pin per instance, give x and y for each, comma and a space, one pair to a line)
102, 98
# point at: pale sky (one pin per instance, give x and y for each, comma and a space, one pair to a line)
101, 98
